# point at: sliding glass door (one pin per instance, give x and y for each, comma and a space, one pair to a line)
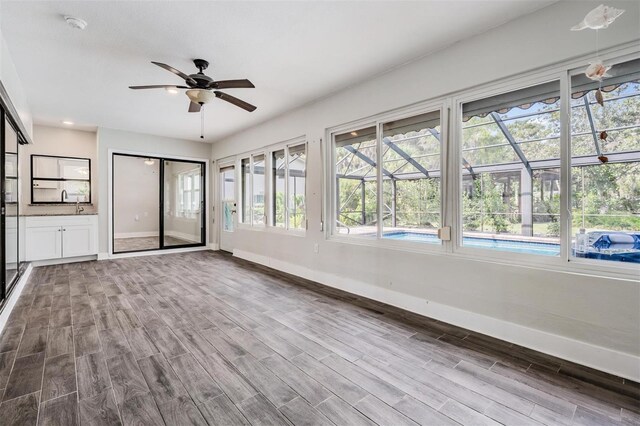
183, 203
136, 200
10, 140
10, 191
157, 203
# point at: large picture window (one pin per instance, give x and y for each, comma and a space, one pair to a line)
605, 165
410, 171
510, 159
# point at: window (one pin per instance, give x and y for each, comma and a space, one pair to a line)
411, 178
278, 181
296, 186
60, 179
252, 171
188, 193
410, 208
288, 173
510, 159
257, 191
605, 166
245, 178
355, 156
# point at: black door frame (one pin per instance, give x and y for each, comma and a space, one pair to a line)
203, 198
6, 287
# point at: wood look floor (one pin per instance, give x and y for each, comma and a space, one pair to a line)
203, 338
121, 245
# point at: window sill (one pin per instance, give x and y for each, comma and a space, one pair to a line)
406, 246
547, 263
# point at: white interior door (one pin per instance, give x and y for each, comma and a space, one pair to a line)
228, 207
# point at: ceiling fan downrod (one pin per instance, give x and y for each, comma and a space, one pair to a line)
201, 121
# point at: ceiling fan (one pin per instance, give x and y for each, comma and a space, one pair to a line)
203, 89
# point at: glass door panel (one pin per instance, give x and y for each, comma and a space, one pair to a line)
183, 203
10, 194
228, 207
136, 202
228, 198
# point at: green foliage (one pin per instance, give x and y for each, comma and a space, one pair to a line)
604, 196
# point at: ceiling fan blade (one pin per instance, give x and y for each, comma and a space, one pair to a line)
176, 72
159, 86
233, 100
232, 84
194, 107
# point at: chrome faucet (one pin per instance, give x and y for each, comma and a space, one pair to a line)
63, 195
78, 208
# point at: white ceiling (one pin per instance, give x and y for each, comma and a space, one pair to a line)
294, 52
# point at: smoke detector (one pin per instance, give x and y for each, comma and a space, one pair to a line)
77, 23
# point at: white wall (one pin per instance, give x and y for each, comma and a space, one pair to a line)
122, 141
61, 142
589, 319
136, 197
11, 82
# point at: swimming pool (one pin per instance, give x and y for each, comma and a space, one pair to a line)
545, 249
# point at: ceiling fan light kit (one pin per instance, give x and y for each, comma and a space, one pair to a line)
200, 96
202, 89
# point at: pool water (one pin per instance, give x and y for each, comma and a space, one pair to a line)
545, 249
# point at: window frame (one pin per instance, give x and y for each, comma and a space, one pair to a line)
441, 105
564, 262
452, 176
269, 192
285, 146
586, 264
249, 185
457, 179
58, 179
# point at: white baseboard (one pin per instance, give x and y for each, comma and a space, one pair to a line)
598, 357
214, 246
145, 234
13, 297
107, 256
60, 261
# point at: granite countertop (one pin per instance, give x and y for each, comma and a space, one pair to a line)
60, 214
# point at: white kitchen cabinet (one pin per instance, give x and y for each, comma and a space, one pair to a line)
77, 240
44, 242
61, 237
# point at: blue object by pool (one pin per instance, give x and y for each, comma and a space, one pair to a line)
545, 249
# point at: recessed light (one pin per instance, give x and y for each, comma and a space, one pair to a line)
76, 23
68, 123
354, 133
172, 90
